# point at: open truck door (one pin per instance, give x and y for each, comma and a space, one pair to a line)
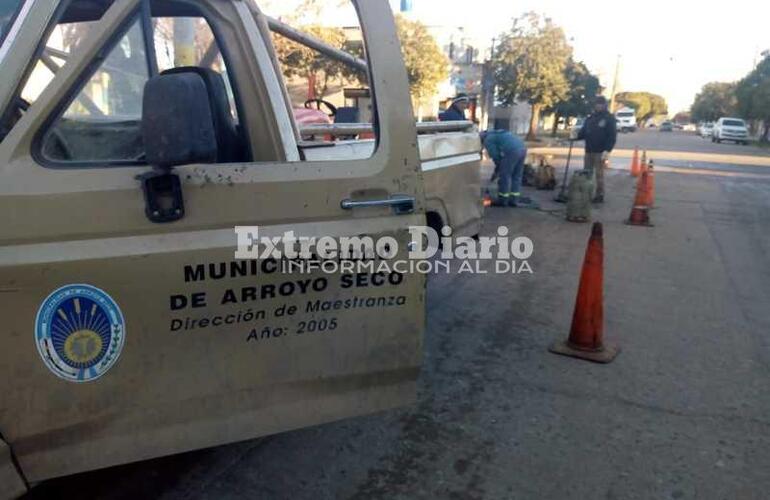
130, 330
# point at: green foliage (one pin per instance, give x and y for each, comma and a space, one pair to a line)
299, 61
715, 100
646, 104
426, 64
583, 89
753, 95
530, 64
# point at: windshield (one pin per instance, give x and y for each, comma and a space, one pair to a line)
9, 9
626, 114
733, 123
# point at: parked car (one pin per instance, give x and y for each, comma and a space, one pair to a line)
730, 129
626, 118
706, 129
667, 126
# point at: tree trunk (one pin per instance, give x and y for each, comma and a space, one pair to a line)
766, 135
555, 128
311, 77
533, 122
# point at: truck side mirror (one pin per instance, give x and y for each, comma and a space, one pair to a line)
177, 129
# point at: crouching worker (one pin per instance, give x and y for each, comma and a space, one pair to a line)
509, 153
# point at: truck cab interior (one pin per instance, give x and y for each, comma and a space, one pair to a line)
101, 120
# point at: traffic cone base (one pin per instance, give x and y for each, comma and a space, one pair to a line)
586, 336
604, 355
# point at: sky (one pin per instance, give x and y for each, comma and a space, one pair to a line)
668, 47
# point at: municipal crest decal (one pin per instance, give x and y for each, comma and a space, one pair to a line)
79, 332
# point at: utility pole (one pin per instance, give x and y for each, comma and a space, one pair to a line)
615, 85
184, 41
488, 89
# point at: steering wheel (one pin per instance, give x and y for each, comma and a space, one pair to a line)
332, 109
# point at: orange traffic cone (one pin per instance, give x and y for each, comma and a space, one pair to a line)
643, 164
635, 167
640, 213
650, 184
587, 332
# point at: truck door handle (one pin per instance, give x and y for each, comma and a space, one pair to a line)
401, 204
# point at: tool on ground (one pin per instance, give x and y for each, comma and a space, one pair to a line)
545, 179
581, 189
529, 178
586, 336
640, 212
635, 167
562, 196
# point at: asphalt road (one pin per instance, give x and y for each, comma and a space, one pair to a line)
653, 139
676, 151
682, 413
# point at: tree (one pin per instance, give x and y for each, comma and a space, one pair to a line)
715, 100
300, 61
646, 104
426, 64
530, 64
683, 117
753, 95
583, 89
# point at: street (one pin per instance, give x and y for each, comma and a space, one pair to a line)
681, 413
684, 142
672, 151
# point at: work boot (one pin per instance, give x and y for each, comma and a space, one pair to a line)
501, 202
522, 202
598, 199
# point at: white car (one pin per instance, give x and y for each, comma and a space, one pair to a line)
705, 129
730, 129
626, 118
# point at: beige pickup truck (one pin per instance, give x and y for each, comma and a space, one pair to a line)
135, 136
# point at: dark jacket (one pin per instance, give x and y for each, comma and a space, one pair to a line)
453, 114
600, 132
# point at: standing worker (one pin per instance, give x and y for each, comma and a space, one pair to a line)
508, 152
456, 111
600, 133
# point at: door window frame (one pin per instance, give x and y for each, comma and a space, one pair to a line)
14, 26
143, 15
294, 145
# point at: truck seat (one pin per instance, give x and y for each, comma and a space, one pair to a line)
229, 141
